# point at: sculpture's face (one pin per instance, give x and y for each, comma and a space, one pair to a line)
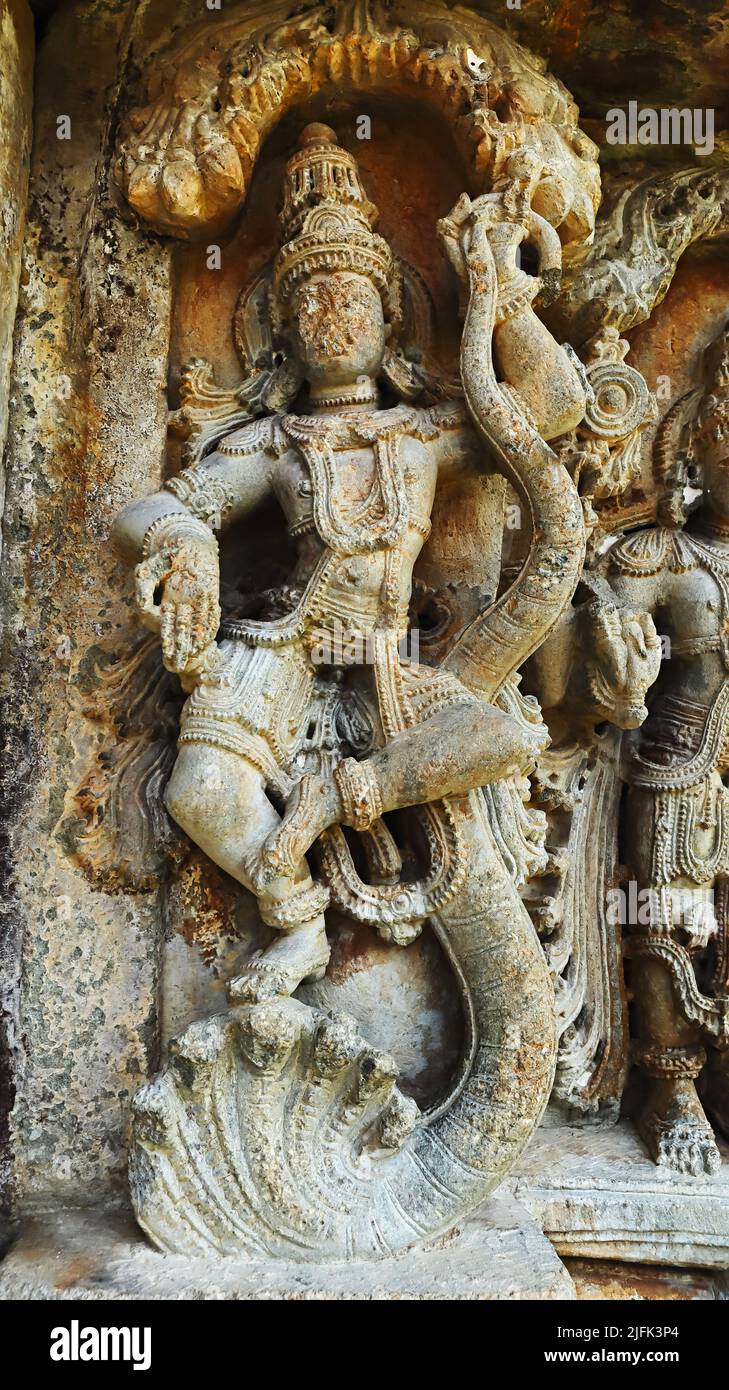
716, 484
337, 328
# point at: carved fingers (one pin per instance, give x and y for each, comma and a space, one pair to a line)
147, 578
455, 230
464, 234
642, 647
177, 593
190, 617
699, 933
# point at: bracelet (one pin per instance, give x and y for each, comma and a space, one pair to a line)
515, 297
359, 793
663, 1063
203, 495
173, 528
304, 905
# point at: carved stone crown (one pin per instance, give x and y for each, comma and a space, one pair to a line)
327, 218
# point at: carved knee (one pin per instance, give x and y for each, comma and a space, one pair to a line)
180, 799
195, 795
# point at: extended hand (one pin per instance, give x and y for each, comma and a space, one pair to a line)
464, 234
184, 579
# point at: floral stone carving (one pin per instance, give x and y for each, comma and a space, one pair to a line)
188, 148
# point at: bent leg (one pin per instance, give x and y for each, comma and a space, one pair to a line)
454, 750
451, 752
219, 799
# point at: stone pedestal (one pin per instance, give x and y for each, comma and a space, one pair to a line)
500, 1253
596, 1194
581, 1193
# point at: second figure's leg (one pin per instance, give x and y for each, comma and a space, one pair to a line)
670, 1053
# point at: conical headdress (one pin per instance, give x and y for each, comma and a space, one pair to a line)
327, 219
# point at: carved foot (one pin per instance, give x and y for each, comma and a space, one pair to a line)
301, 955
310, 809
676, 1131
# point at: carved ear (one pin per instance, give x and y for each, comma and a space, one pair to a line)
409, 366
253, 326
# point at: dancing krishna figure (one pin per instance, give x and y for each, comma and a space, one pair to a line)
356, 484
225, 1152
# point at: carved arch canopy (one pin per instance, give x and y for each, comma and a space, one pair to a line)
187, 149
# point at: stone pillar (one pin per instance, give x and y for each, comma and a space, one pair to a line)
17, 44
86, 431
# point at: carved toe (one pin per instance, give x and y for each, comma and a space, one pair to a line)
686, 1146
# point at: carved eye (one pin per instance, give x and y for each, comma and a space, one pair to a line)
666, 211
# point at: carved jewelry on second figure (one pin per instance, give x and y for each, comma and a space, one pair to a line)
677, 813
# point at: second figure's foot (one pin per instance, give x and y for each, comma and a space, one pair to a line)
676, 1131
302, 954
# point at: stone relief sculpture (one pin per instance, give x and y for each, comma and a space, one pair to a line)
591, 678
675, 815
581, 778
382, 811
356, 484
286, 751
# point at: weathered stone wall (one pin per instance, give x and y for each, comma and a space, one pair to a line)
86, 428
16, 97
106, 316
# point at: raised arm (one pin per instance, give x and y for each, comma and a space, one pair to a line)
171, 538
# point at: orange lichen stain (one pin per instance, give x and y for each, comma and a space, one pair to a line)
207, 915
566, 28
76, 1269
354, 948
607, 1279
667, 348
